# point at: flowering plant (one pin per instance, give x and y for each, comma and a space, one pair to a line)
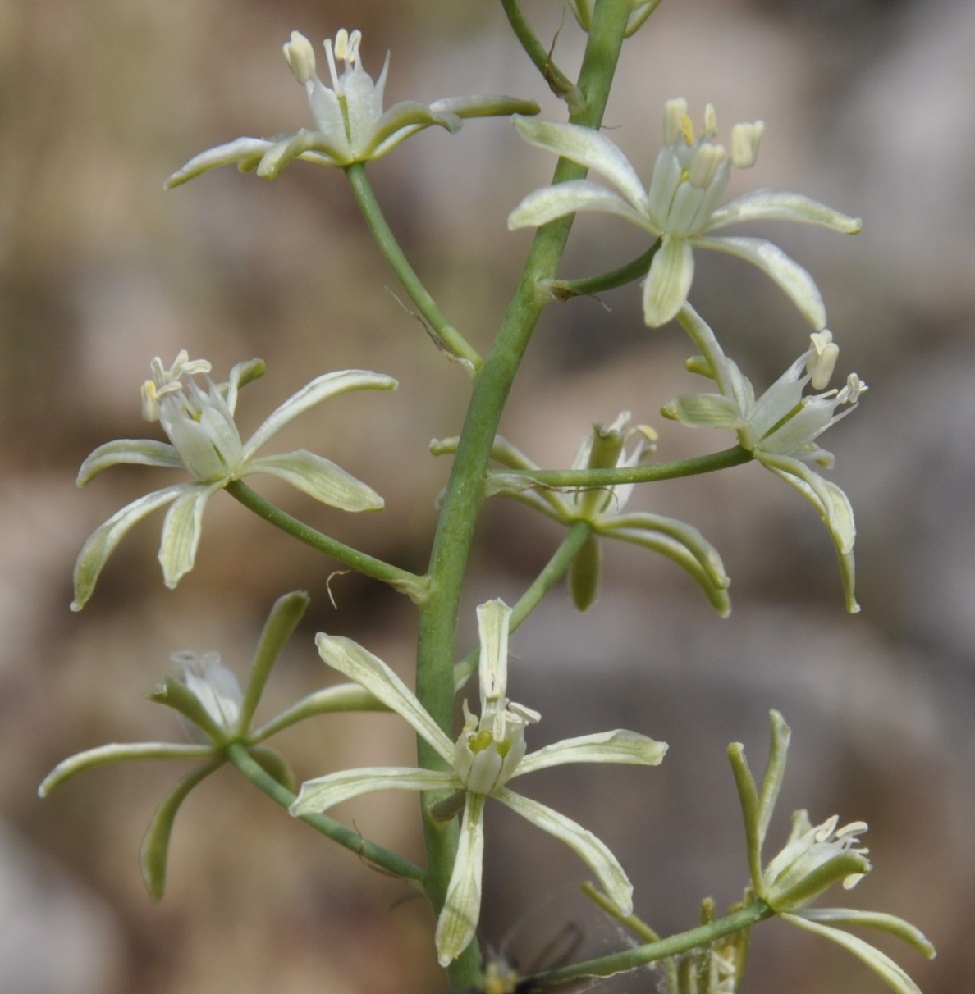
455, 773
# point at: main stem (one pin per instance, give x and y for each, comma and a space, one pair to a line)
465, 490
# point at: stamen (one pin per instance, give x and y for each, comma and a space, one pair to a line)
710, 122
822, 360
675, 111
300, 57
745, 139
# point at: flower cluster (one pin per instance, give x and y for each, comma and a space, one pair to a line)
350, 123
680, 206
204, 441
489, 752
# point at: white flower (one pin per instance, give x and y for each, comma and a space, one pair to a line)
489, 752
204, 441
793, 877
215, 687
780, 428
350, 123
814, 859
680, 207
603, 508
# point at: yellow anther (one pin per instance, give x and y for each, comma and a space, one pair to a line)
710, 122
347, 46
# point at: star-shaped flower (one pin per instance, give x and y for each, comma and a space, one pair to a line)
603, 508
780, 427
350, 123
217, 714
204, 441
814, 859
489, 752
680, 207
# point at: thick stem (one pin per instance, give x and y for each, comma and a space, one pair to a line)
465, 489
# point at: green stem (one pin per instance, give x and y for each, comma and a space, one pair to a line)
375, 855
558, 82
444, 333
674, 945
415, 587
566, 289
553, 572
602, 478
465, 490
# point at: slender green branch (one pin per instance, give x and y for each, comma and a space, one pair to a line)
415, 587
566, 289
601, 478
446, 335
553, 572
558, 82
377, 856
674, 945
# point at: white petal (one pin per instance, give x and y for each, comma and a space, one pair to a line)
796, 282
141, 451
246, 151
369, 671
101, 543
115, 752
891, 924
319, 478
576, 196
704, 410
668, 282
833, 507
675, 539
361, 106
462, 907
493, 620
322, 793
321, 388
831, 502
399, 122
619, 746
327, 111
483, 105
181, 533
782, 205
595, 853
708, 572
893, 975
590, 149
330, 148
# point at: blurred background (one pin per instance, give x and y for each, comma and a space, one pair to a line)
867, 105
